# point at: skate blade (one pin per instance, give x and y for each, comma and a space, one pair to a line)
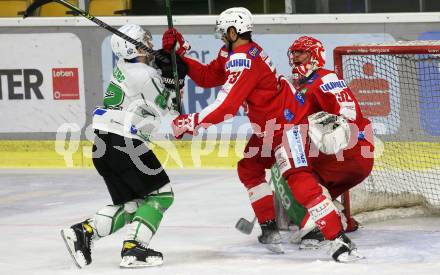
69, 238
313, 245
131, 262
349, 258
275, 248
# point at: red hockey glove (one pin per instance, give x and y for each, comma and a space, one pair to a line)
171, 37
185, 124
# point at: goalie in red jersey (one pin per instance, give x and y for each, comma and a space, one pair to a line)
342, 139
249, 77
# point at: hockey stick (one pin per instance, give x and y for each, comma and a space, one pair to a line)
38, 3
173, 58
245, 226
295, 211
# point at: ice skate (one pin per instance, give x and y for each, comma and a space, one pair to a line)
135, 255
270, 237
344, 250
313, 240
78, 240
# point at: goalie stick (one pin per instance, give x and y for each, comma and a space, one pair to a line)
245, 226
295, 212
35, 5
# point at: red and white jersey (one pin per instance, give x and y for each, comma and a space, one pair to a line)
248, 78
324, 91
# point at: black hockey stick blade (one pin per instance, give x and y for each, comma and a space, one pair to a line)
35, 5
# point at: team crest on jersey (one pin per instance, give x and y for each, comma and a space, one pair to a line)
253, 52
288, 115
300, 96
238, 62
333, 86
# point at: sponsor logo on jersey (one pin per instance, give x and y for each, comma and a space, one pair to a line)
297, 147
118, 75
288, 115
333, 85
244, 63
65, 83
253, 52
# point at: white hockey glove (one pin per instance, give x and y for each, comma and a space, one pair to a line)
330, 133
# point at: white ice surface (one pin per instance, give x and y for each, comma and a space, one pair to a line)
197, 235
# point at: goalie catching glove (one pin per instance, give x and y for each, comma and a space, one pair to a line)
330, 133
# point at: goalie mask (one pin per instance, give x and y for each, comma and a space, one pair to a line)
314, 61
126, 50
239, 18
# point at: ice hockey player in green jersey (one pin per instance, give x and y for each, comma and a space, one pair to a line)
136, 103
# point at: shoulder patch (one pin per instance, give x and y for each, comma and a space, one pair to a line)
253, 52
223, 53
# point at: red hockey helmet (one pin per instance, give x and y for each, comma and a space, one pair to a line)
317, 55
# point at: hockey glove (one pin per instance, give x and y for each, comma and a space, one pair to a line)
167, 70
329, 132
187, 123
172, 37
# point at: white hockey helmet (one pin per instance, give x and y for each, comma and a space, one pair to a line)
240, 18
124, 49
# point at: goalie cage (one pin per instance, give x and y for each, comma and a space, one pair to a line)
398, 88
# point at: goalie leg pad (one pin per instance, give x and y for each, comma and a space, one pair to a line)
324, 213
148, 216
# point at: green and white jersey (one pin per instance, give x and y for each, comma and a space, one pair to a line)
135, 103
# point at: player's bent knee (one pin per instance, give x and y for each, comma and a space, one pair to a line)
110, 219
304, 187
249, 174
150, 212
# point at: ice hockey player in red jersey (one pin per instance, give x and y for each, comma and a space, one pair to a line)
326, 97
249, 77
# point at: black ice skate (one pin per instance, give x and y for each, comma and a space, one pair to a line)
270, 237
313, 240
135, 255
344, 250
78, 240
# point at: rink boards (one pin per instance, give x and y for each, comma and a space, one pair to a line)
409, 156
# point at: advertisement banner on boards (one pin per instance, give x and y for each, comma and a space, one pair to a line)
205, 48
41, 82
